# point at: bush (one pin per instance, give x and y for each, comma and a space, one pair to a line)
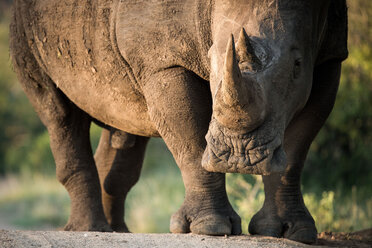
340, 156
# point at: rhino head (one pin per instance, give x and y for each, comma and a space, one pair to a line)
258, 82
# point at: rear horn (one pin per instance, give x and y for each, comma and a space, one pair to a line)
246, 53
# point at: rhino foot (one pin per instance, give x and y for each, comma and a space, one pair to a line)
296, 226
99, 226
198, 219
122, 228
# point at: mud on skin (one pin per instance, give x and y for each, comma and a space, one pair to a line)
236, 85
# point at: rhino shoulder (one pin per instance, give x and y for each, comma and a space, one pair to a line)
153, 35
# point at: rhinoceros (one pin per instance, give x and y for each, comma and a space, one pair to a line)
238, 86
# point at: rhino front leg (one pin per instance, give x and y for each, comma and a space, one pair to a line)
119, 160
284, 212
179, 104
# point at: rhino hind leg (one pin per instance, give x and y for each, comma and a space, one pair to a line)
179, 104
68, 128
119, 160
284, 213
76, 170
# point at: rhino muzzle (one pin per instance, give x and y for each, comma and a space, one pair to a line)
258, 152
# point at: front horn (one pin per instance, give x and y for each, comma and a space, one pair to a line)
232, 83
239, 102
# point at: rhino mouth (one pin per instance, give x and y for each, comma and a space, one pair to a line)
258, 152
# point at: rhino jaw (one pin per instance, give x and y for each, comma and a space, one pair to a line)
257, 152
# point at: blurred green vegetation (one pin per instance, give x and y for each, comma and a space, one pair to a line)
341, 156
336, 181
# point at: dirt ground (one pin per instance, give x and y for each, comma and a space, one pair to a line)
11, 238
356, 239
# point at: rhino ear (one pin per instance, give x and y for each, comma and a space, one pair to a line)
246, 52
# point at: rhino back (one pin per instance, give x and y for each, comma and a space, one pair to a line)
158, 34
73, 44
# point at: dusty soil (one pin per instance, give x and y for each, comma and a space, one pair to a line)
356, 239
94, 239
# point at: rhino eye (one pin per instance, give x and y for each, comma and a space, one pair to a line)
297, 68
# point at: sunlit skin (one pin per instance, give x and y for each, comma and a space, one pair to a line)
230, 85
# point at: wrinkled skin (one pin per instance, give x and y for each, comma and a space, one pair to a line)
230, 85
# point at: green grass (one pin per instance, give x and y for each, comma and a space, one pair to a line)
40, 202
335, 212
246, 195
158, 194
331, 210
33, 202
152, 202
